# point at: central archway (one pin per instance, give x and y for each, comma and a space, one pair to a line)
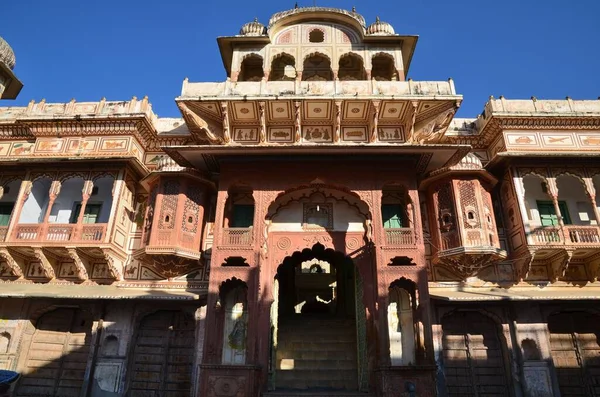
314, 322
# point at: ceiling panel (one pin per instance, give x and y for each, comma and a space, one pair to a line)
245, 111
317, 110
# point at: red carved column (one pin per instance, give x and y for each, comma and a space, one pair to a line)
86, 193
24, 193
54, 192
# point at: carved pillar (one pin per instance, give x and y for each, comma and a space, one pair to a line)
86, 193
591, 192
374, 125
54, 192
24, 193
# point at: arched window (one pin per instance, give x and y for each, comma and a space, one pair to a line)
252, 68
36, 205
351, 67
401, 327
283, 68
317, 67
233, 294
383, 68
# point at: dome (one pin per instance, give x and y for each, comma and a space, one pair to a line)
253, 28
469, 162
312, 12
380, 28
7, 55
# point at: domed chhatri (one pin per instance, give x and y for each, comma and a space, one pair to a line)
380, 28
7, 55
253, 28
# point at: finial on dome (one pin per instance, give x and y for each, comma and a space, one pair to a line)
377, 19
353, 8
296, 6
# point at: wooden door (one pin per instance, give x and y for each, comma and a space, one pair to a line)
163, 356
58, 355
576, 353
474, 363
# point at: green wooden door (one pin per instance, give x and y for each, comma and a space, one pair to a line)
548, 214
90, 215
5, 211
391, 216
243, 215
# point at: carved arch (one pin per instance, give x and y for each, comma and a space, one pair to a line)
355, 200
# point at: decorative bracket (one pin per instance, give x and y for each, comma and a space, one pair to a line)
11, 263
82, 273
560, 263
44, 263
112, 268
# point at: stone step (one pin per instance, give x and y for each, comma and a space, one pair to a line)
318, 374
316, 355
295, 340
321, 364
320, 379
283, 393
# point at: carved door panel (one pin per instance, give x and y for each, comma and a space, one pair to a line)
474, 362
58, 355
576, 353
163, 356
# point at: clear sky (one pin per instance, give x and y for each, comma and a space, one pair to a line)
122, 48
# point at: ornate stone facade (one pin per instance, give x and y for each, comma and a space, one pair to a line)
315, 223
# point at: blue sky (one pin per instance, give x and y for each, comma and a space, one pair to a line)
118, 49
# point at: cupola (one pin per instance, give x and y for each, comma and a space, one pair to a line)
7, 55
253, 28
380, 28
10, 86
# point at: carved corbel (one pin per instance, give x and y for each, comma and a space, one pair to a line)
225, 114
411, 119
82, 273
432, 130
11, 263
560, 264
593, 267
338, 121
374, 122
523, 266
112, 268
263, 122
297, 123
45, 264
200, 124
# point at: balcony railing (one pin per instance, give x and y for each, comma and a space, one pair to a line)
56, 233
570, 234
237, 236
400, 236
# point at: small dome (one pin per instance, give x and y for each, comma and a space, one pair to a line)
253, 28
380, 28
469, 162
7, 55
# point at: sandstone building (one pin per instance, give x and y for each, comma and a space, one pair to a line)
315, 223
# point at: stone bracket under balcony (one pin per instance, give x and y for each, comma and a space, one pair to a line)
569, 264
468, 261
70, 263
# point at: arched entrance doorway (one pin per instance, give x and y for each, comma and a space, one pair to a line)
315, 333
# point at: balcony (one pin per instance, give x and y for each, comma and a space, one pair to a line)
568, 235
237, 237
58, 233
400, 237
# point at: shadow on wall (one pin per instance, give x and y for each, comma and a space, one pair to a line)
62, 353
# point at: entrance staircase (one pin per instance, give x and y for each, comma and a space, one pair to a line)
316, 353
